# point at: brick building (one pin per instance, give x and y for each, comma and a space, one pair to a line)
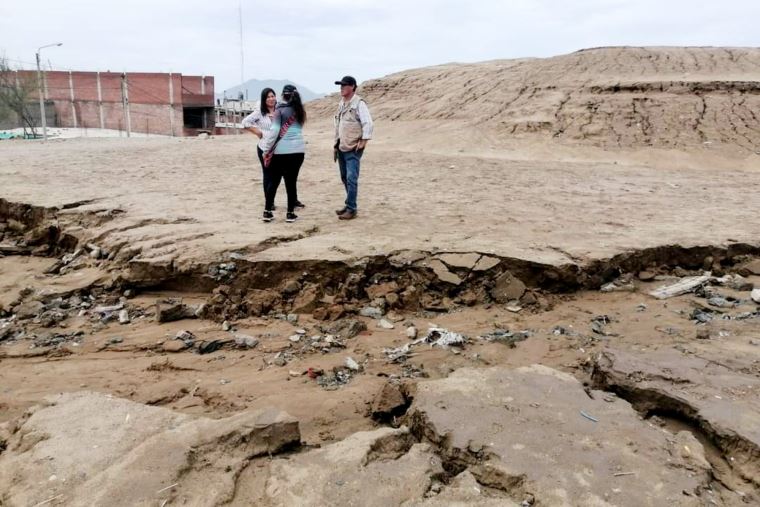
153, 103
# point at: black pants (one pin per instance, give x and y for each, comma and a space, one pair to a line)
287, 167
264, 173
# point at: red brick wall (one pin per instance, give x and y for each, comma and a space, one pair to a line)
149, 99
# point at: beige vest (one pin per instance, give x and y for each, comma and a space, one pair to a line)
348, 128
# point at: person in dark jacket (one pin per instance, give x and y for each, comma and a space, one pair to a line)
284, 150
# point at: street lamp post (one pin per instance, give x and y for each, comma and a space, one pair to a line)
39, 84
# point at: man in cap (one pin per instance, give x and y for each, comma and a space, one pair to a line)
353, 128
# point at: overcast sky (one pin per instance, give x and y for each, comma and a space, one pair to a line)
315, 42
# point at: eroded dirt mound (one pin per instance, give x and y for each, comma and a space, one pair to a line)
618, 96
93, 449
533, 432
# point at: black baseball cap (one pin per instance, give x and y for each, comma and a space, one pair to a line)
347, 80
288, 89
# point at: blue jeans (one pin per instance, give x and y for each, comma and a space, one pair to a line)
349, 161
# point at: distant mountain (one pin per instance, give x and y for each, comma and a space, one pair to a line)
252, 89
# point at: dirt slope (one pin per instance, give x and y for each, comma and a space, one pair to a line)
620, 96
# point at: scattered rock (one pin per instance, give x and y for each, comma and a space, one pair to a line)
308, 299
382, 323
29, 310
703, 333
753, 267
346, 328
246, 341
443, 273
411, 332
226, 326
507, 288
371, 312
459, 260
124, 317
352, 365
291, 287
260, 302
389, 402
170, 312
186, 336
646, 276
756, 296
381, 290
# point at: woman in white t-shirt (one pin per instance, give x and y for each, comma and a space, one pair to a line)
259, 123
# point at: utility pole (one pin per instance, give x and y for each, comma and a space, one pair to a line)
40, 84
242, 59
125, 102
171, 104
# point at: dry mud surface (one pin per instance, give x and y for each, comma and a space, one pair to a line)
483, 334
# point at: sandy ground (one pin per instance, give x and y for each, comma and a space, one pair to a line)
192, 199
429, 183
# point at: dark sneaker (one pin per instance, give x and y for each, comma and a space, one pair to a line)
291, 217
268, 216
347, 215
341, 211
300, 205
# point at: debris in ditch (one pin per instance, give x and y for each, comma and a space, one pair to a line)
352, 365
313, 373
340, 376
641, 307
736, 282
400, 354
124, 317
282, 358
701, 316
755, 295
185, 336
103, 310
411, 332
619, 286
590, 418
435, 337
721, 302
444, 338
56, 339
598, 324
506, 337
222, 271
683, 286
385, 324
